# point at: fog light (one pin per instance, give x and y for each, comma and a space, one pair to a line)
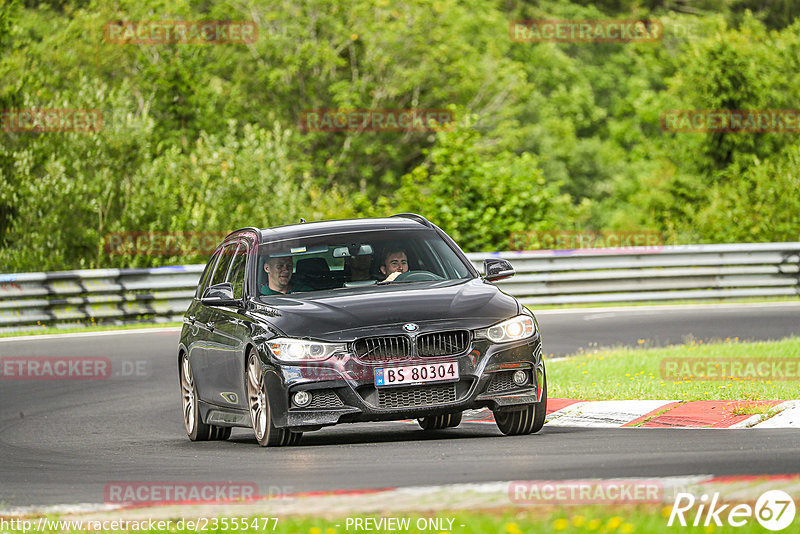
302, 399
520, 377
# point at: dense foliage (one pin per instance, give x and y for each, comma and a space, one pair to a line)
549, 136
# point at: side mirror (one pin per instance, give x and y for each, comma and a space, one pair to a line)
497, 269
220, 295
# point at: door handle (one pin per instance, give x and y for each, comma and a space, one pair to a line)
210, 325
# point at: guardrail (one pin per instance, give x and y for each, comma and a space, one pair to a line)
162, 294
634, 274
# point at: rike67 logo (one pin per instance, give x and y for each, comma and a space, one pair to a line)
774, 510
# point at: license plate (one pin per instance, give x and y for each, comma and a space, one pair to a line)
416, 374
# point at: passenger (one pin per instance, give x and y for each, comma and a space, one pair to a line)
359, 267
279, 272
394, 263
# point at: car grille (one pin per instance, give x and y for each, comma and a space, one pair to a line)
443, 343
399, 348
383, 349
502, 381
408, 397
325, 398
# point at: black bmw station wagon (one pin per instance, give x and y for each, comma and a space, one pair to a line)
298, 327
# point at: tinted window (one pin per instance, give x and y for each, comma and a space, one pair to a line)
204, 279
237, 270
450, 262
347, 260
225, 260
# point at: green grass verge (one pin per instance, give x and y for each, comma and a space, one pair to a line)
637, 373
96, 328
621, 519
539, 519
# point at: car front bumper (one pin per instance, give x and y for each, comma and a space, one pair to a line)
344, 391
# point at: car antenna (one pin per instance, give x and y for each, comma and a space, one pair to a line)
302, 220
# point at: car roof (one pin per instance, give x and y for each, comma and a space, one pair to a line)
321, 228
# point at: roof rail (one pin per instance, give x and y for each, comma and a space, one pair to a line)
415, 217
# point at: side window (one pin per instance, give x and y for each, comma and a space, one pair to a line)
221, 272
451, 263
206, 276
238, 268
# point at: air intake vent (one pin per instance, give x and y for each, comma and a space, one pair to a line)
416, 396
325, 398
443, 343
383, 349
502, 381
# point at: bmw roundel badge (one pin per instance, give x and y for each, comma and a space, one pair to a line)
410, 327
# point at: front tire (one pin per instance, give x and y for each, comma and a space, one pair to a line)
438, 422
516, 423
541, 406
196, 429
526, 421
267, 434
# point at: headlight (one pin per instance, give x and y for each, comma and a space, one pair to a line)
295, 350
514, 329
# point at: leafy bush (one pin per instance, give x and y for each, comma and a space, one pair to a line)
481, 196
561, 136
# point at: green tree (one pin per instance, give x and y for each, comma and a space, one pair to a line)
480, 196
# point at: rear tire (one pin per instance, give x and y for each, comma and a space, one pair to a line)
196, 429
438, 422
267, 434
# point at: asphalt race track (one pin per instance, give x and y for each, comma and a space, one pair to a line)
63, 441
568, 331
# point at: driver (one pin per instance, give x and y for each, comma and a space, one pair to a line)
394, 262
279, 272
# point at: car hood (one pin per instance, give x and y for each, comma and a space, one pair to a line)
346, 314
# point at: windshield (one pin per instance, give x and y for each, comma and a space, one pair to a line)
343, 261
